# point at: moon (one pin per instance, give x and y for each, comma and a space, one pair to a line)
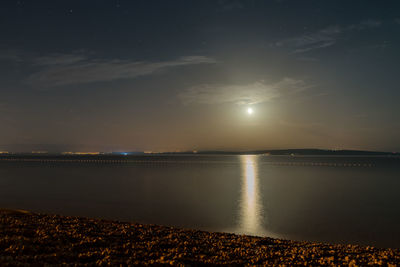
250, 111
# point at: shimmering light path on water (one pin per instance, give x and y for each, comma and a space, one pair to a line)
251, 209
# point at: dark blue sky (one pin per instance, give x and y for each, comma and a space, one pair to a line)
177, 75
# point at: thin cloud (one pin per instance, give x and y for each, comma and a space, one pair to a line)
58, 60
324, 38
321, 39
10, 55
253, 93
366, 24
313, 47
59, 70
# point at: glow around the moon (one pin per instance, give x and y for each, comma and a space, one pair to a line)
250, 111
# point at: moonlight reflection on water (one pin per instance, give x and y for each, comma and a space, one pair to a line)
251, 209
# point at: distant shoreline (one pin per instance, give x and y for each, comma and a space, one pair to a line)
31, 238
273, 152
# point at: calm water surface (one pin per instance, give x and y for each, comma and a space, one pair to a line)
333, 199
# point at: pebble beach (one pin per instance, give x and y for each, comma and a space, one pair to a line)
28, 238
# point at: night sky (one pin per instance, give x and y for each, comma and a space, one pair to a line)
181, 75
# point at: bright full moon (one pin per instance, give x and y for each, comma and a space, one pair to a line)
249, 111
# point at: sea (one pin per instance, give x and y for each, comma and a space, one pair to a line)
334, 199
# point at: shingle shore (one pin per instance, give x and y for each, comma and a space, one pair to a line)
39, 239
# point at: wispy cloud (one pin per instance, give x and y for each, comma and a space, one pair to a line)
59, 59
319, 45
365, 24
10, 55
59, 70
244, 94
324, 38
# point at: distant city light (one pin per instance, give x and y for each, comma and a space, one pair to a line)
81, 153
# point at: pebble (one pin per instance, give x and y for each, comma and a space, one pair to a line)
39, 239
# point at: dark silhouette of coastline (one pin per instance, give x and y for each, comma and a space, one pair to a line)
274, 152
311, 152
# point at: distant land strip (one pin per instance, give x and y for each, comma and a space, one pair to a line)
274, 152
